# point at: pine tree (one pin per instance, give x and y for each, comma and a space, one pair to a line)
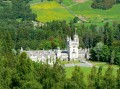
99, 78
78, 78
92, 78
8, 43
109, 79
21, 10
118, 79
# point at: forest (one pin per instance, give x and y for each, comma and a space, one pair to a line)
104, 4
19, 72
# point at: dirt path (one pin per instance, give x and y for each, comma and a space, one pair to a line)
73, 5
79, 1
70, 11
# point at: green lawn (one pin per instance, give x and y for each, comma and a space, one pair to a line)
49, 11
67, 62
69, 71
104, 64
68, 2
86, 70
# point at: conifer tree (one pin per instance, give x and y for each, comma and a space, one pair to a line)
109, 79
99, 78
21, 10
78, 78
7, 44
118, 79
92, 78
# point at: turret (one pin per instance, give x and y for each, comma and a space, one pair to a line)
67, 38
76, 38
21, 50
58, 52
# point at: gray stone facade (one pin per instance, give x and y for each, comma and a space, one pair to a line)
71, 53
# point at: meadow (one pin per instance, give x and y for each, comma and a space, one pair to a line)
35, 1
68, 2
49, 11
93, 15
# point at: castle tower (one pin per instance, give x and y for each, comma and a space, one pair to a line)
72, 46
21, 50
58, 52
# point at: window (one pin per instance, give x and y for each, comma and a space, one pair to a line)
73, 50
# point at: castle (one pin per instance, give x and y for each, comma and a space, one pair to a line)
71, 53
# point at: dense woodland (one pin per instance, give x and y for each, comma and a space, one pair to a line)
104, 4
19, 72
22, 73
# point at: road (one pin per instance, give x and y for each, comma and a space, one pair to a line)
86, 64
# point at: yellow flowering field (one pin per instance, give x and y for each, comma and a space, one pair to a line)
49, 11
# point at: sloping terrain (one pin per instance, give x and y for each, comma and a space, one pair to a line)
49, 11
84, 9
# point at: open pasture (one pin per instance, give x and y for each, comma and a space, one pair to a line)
49, 11
92, 15
35, 1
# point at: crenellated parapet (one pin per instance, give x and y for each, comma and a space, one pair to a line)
71, 53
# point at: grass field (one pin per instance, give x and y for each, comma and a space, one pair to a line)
68, 2
86, 70
85, 10
35, 1
69, 71
49, 11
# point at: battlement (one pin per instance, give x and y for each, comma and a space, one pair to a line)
72, 52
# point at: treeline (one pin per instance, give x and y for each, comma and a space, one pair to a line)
108, 49
104, 4
14, 15
20, 72
104, 42
59, 1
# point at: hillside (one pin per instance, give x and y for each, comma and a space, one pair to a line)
85, 10
48, 11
